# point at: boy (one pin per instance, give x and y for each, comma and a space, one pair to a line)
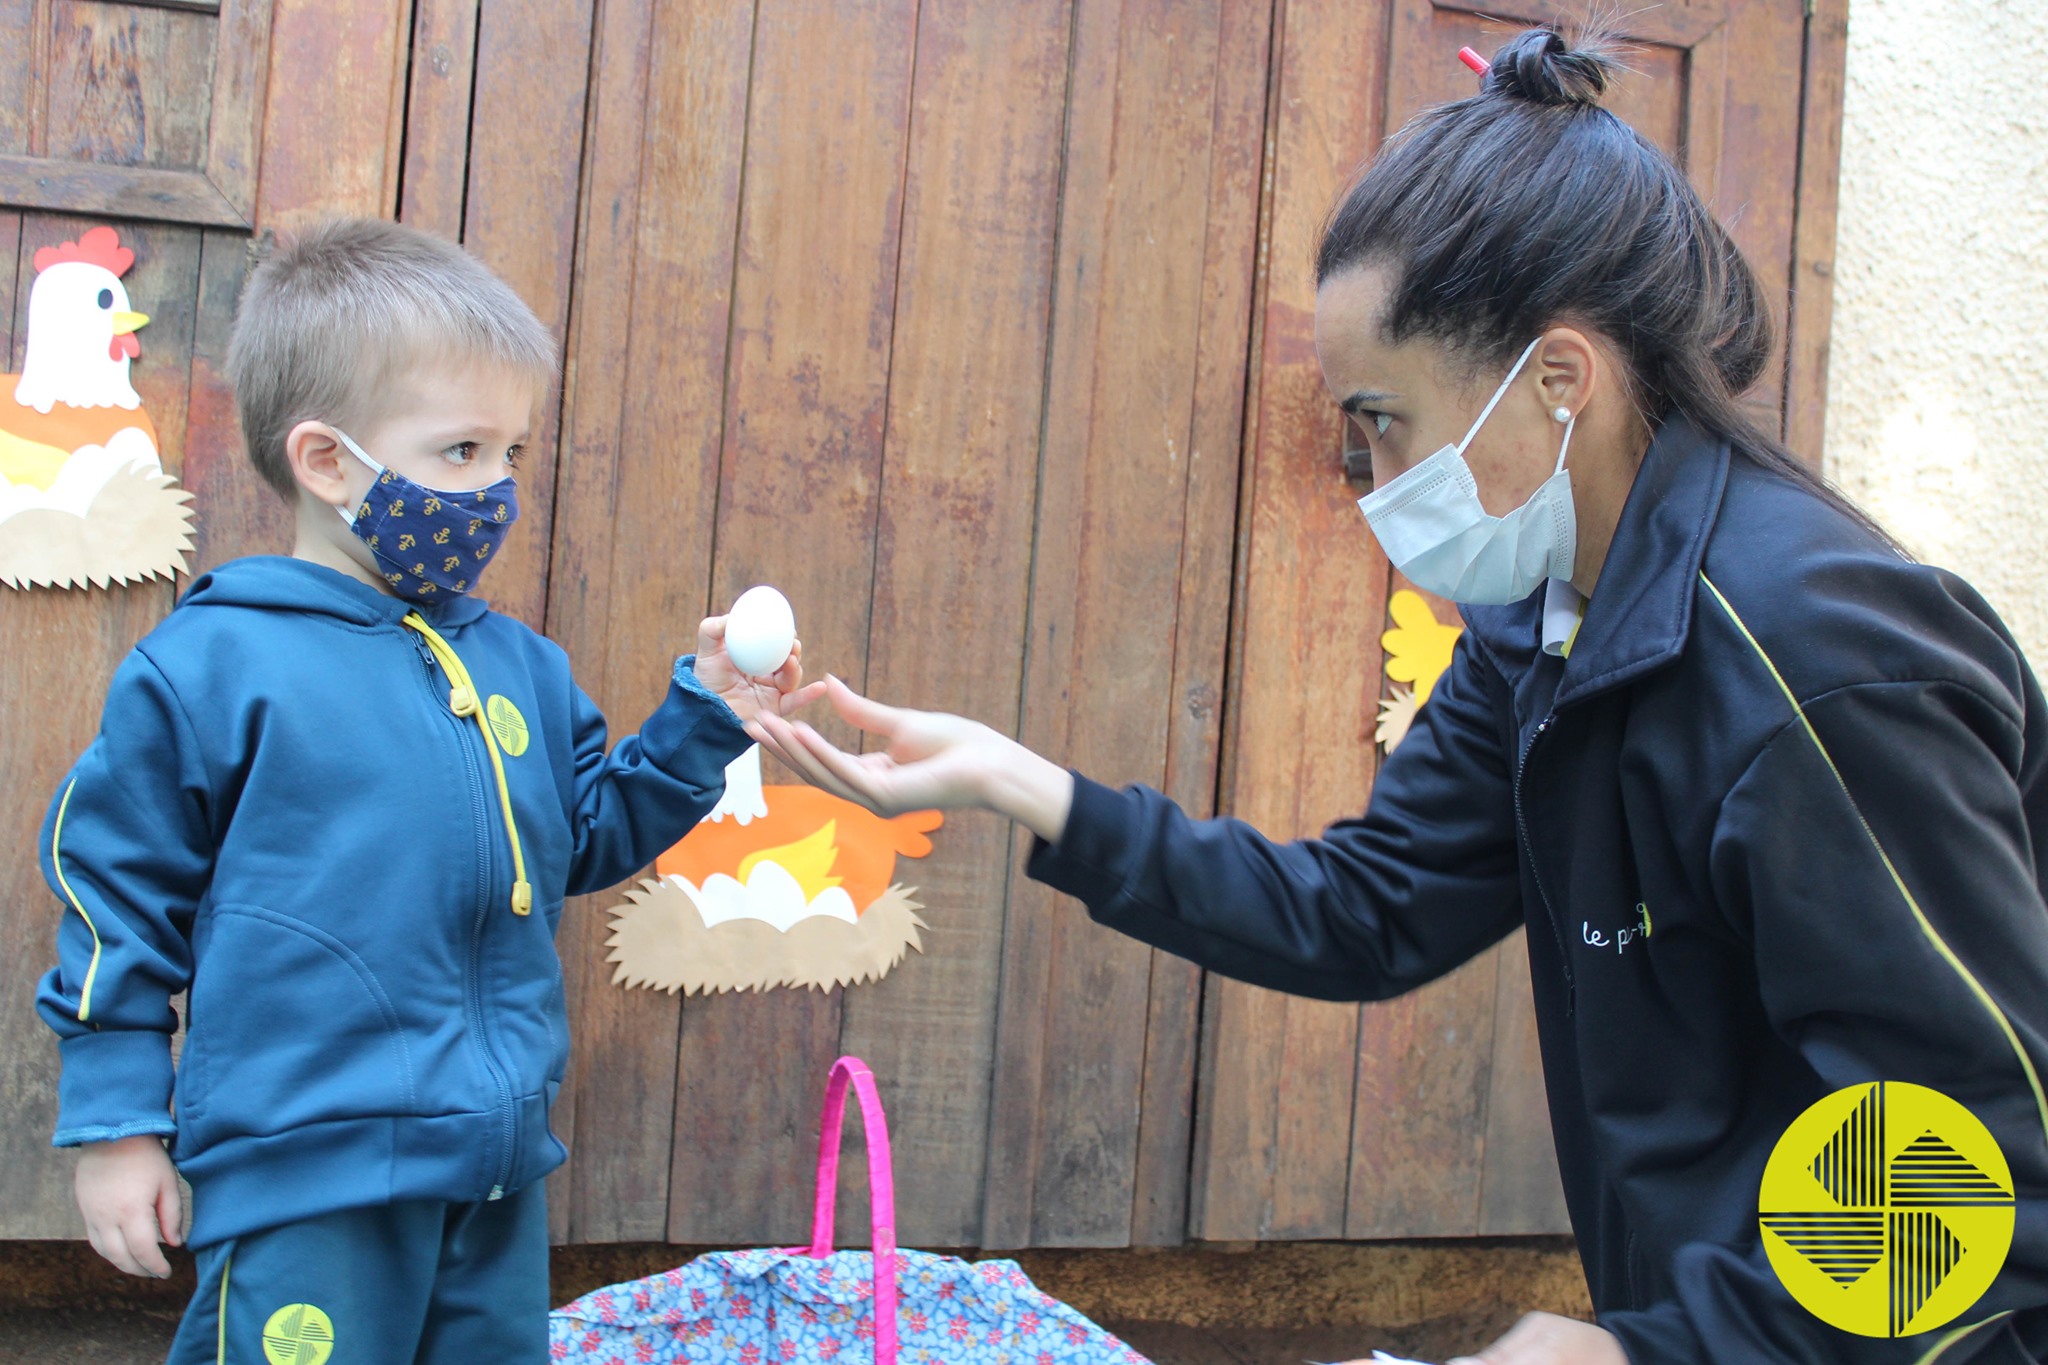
341, 801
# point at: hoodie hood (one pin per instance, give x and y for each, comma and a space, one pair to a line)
281, 583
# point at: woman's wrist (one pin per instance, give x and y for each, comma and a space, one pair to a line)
1035, 792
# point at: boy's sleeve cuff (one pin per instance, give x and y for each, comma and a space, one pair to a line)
114, 1084
693, 725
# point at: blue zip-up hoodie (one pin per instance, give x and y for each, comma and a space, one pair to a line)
285, 814
1778, 826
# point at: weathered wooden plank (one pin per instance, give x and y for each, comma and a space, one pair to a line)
78, 187
437, 115
1521, 1193
1813, 240
18, 84
58, 650
241, 78
1201, 635
800, 474
1273, 1138
329, 145
1113, 525
953, 554
638, 486
10, 255
234, 511
526, 150
129, 85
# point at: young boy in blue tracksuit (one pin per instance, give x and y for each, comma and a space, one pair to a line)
341, 801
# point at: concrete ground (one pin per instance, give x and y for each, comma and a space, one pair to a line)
1272, 1304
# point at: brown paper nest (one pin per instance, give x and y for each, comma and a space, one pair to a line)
660, 941
139, 526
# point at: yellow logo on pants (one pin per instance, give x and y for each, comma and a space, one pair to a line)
1887, 1209
298, 1334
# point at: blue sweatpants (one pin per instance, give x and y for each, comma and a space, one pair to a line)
415, 1283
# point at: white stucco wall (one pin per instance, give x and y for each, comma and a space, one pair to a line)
1937, 416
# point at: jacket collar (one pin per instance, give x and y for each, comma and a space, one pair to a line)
1641, 611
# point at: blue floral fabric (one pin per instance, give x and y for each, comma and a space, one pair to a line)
768, 1307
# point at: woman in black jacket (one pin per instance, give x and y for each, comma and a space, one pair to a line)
1770, 797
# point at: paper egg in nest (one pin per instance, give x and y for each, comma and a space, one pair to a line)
778, 886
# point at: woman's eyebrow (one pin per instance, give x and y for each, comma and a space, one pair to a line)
1365, 399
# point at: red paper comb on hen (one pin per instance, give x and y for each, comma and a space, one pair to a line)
99, 246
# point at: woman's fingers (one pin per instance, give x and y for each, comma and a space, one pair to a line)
857, 710
782, 739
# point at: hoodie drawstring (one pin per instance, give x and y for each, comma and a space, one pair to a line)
464, 701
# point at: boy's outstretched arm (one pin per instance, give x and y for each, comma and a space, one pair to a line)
127, 849
653, 787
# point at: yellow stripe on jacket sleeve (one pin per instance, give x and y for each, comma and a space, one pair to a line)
1927, 928
57, 861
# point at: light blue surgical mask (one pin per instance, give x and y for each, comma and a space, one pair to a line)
1435, 530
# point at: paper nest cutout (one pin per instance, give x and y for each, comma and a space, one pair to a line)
778, 886
83, 494
1418, 651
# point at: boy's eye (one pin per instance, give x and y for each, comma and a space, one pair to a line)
461, 453
513, 456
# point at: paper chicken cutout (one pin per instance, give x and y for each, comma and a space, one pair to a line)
778, 886
1418, 651
83, 493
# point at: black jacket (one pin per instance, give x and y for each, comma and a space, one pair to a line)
1737, 902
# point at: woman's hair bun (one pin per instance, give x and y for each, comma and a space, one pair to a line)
1541, 67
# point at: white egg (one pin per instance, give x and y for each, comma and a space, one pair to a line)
760, 631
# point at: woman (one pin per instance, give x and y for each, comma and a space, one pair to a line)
1770, 797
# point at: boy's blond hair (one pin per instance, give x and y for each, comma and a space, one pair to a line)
329, 320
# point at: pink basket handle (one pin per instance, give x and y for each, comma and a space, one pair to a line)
881, 1189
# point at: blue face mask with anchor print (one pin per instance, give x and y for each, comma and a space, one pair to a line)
430, 544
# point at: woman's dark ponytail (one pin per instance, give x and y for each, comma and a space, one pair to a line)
1529, 204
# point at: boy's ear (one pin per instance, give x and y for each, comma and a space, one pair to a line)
319, 462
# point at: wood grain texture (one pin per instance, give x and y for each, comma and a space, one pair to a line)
329, 143
638, 487
525, 167
800, 469
437, 116
1113, 527
1273, 1135
235, 511
128, 85
953, 554
58, 651
77, 187
241, 80
20, 83
1818, 199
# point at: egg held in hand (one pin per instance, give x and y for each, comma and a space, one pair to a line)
760, 632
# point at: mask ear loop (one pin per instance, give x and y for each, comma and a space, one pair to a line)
1565, 445
1499, 394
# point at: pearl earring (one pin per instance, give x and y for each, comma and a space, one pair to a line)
1561, 413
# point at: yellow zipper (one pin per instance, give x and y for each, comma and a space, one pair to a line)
464, 701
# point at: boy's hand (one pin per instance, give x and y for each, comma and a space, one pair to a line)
128, 1192
781, 693
928, 761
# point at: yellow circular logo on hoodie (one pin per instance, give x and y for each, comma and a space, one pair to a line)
1887, 1209
507, 724
298, 1334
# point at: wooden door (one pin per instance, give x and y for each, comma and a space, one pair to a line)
1424, 1116
950, 318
